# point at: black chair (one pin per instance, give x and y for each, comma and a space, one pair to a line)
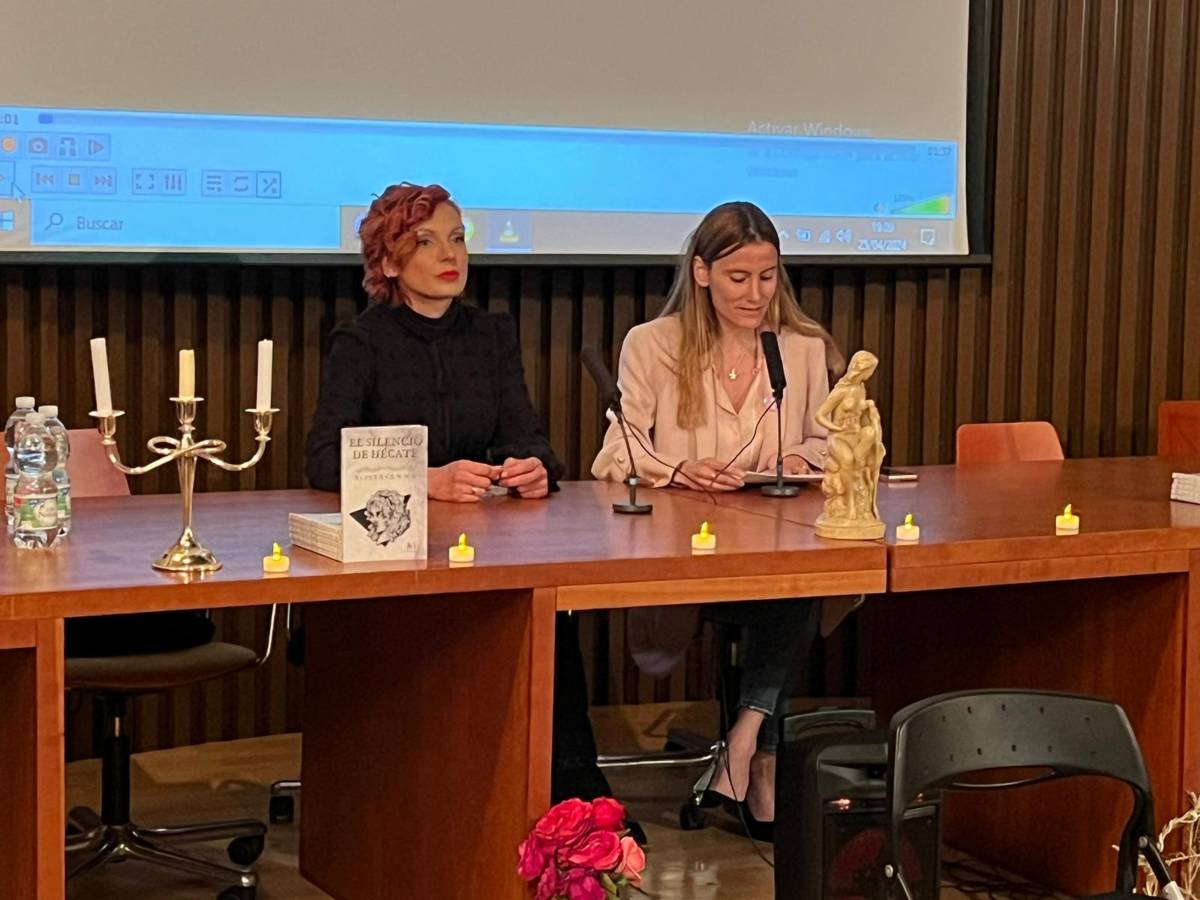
934, 743
96, 840
282, 805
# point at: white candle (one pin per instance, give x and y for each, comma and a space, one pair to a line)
263, 401
100, 376
187, 374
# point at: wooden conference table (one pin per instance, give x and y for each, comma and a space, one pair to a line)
428, 691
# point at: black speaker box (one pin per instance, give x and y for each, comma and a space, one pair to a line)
831, 814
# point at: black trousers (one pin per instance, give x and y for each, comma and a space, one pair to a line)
135, 633
574, 771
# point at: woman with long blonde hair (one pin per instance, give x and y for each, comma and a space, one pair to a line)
696, 393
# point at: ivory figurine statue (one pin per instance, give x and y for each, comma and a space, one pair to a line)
855, 454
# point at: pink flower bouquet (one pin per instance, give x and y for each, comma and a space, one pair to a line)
580, 851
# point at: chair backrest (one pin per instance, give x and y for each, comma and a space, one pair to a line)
1179, 428
935, 742
92, 475
993, 442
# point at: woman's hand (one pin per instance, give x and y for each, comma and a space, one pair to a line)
792, 465
462, 481
702, 475
528, 476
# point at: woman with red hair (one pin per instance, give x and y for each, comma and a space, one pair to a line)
419, 356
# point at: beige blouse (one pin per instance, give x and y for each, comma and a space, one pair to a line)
659, 636
650, 399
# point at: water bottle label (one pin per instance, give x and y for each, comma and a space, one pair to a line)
36, 511
64, 503
10, 489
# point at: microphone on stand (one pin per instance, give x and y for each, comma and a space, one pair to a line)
770, 347
610, 395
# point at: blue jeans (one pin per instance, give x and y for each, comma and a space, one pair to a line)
778, 637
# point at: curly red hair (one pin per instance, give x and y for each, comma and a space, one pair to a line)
388, 232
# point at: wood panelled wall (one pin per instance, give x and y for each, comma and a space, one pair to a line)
1094, 312
1088, 316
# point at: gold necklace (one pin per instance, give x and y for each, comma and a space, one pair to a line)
733, 374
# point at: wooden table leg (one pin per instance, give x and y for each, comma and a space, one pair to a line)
1190, 763
427, 734
32, 781
1122, 638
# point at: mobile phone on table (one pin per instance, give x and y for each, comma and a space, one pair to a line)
887, 473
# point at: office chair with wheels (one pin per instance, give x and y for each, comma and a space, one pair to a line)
932, 744
281, 808
96, 840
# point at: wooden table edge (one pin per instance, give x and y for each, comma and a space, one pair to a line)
620, 595
1035, 570
18, 635
344, 585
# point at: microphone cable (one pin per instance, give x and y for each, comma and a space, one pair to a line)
754, 434
700, 485
706, 489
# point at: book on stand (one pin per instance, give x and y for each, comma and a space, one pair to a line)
384, 499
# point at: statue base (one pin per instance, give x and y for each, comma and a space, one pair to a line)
862, 530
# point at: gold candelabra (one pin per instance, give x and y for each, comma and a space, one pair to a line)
187, 554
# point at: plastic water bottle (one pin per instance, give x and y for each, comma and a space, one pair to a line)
35, 501
62, 443
24, 408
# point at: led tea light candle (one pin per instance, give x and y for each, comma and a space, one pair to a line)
908, 533
704, 541
276, 563
462, 553
1067, 523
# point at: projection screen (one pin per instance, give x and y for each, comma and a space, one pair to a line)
560, 127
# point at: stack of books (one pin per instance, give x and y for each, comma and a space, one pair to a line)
318, 532
1185, 487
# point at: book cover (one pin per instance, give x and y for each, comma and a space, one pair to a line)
384, 493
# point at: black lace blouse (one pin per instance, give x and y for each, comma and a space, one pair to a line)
460, 375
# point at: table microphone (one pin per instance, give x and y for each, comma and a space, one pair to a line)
610, 396
770, 347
